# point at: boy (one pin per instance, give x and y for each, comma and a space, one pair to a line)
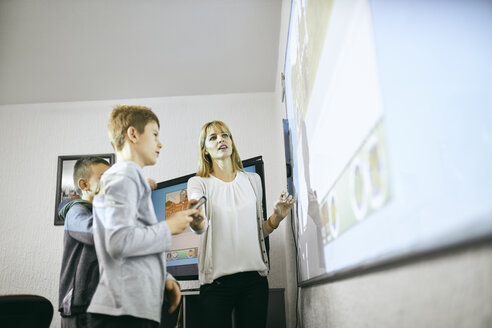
130, 242
79, 273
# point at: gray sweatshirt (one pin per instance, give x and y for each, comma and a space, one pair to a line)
130, 245
79, 273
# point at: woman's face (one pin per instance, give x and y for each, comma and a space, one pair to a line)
218, 144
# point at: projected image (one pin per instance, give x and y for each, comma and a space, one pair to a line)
349, 201
309, 26
377, 174
373, 184
359, 189
333, 104
325, 229
333, 217
330, 218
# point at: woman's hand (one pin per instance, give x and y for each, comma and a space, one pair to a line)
281, 208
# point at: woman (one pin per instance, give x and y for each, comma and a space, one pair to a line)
233, 263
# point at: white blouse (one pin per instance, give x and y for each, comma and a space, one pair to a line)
235, 245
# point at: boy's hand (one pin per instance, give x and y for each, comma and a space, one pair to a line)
152, 183
179, 221
173, 294
198, 219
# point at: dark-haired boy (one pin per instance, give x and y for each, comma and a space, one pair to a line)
130, 242
79, 272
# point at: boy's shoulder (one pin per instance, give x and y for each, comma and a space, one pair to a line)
122, 173
129, 169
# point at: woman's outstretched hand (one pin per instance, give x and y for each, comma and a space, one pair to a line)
281, 208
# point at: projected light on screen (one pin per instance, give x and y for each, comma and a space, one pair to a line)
334, 108
375, 186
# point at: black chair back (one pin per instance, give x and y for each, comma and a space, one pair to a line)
25, 311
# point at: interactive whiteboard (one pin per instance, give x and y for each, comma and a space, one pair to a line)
390, 123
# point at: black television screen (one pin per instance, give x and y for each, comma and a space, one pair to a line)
171, 196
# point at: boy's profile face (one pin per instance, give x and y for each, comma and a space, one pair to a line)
97, 171
148, 146
90, 185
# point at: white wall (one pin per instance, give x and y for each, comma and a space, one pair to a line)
451, 290
33, 136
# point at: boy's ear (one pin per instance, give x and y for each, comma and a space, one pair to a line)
132, 134
83, 184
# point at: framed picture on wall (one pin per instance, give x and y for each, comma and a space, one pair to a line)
65, 189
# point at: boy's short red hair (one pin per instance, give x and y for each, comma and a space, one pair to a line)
124, 116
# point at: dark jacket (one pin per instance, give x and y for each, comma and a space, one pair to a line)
79, 272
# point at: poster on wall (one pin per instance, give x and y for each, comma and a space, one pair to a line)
372, 168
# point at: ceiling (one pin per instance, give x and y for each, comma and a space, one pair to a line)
72, 50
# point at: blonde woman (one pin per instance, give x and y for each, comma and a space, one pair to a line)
233, 263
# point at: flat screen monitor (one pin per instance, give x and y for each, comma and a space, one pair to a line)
171, 196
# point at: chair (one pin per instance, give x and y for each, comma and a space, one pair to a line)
25, 311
